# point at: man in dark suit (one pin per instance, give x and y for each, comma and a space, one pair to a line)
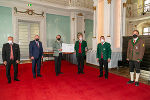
36, 53
11, 55
103, 56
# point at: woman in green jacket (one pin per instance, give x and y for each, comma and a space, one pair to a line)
80, 48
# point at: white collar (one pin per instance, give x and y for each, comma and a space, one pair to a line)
135, 38
103, 42
11, 43
80, 41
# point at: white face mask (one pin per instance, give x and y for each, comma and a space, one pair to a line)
80, 38
10, 42
102, 40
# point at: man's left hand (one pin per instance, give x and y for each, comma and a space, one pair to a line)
109, 60
60, 49
17, 61
86, 49
138, 60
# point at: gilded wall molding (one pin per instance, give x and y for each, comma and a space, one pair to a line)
73, 19
94, 7
124, 5
109, 1
28, 11
80, 14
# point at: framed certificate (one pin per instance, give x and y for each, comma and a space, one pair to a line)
67, 47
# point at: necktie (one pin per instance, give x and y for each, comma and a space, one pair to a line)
11, 53
37, 44
134, 41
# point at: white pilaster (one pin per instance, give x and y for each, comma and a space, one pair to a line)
107, 20
73, 20
124, 17
95, 30
80, 25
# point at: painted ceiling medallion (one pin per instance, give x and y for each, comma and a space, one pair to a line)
109, 1
28, 11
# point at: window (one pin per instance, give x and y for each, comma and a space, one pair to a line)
27, 31
147, 6
146, 31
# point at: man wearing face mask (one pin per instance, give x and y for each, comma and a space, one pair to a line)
36, 53
57, 48
103, 56
80, 48
11, 55
135, 53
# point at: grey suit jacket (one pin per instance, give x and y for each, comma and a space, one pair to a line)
56, 46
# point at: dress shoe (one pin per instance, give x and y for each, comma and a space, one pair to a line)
100, 76
16, 80
136, 83
9, 81
39, 75
82, 72
57, 74
130, 82
106, 78
34, 76
61, 73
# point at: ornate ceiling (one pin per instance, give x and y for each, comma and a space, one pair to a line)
72, 3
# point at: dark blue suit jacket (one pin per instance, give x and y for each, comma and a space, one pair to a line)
34, 50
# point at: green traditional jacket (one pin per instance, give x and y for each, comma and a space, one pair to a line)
83, 47
105, 49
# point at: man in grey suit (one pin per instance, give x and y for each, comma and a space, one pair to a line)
57, 48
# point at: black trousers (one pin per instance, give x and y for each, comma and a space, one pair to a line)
104, 63
8, 67
58, 63
134, 65
80, 60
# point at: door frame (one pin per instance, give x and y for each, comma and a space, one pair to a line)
32, 18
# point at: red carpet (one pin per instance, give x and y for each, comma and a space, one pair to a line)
68, 86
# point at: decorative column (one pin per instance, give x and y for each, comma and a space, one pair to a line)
77, 25
98, 19
107, 20
123, 21
80, 24
117, 30
94, 40
124, 17
73, 19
